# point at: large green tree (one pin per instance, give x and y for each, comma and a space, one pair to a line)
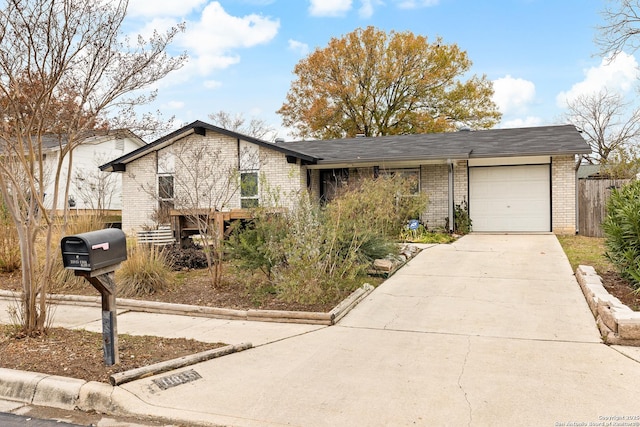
65, 69
373, 83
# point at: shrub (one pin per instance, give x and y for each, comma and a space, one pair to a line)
145, 272
191, 257
382, 204
312, 253
622, 231
256, 244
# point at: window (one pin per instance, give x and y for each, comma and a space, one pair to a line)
248, 190
249, 164
331, 183
166, 162
165, 187
413, 175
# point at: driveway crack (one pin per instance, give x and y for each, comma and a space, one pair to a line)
464, 365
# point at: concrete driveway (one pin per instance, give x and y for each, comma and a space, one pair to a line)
489, 331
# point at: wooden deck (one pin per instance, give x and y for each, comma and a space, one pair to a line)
185, 223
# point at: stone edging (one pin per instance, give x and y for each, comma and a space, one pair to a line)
618, 324
313, 318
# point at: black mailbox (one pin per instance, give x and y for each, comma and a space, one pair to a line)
94, 250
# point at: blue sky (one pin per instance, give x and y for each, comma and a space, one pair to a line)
242, 52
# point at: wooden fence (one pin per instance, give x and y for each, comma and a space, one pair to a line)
593, 195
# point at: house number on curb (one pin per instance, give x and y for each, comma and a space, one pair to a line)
177, 379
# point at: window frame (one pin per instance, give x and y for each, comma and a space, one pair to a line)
404, 172
251, 200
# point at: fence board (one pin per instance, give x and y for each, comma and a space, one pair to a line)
593, 195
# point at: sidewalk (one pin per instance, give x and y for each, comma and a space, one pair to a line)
173, 326
492, 330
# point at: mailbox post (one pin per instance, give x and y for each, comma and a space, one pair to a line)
95, 256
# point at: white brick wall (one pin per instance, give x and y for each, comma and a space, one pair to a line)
563, 195
138, 205
215, 151
288, 180
435, 182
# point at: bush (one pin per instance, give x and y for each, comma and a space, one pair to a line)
145, 272
622, 231
383, 204
256, 244
180, 258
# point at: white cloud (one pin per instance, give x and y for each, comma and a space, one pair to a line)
156, 24
528, 121
300, 48
212, 40
174, 105
618, 75
329, 7
513, 95
415, 4
366, 10
156, 8
212, 84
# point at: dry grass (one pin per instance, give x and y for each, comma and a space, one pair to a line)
145, 272
586, 251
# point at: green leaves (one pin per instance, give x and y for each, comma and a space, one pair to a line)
378, 83
622, 230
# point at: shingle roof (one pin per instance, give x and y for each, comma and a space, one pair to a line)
159, 143
532, 141
52, 141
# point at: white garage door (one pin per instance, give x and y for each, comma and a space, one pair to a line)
510, 198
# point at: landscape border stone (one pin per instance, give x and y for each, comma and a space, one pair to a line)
618, 324
279, 316
170, 365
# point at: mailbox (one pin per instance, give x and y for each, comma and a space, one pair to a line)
94, 250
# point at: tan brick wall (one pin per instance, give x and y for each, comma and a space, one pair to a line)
563, 195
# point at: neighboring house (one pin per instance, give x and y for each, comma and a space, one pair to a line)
90, 188
514, 180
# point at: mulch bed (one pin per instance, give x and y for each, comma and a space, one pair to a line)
78, 353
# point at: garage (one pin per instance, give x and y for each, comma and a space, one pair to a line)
510, 198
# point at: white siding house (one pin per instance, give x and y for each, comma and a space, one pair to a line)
90, 188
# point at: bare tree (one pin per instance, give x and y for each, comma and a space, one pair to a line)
622, 27
608, 123
95, 187
200, 181
64, 68
256, 128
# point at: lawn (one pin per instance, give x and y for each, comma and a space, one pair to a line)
581, 250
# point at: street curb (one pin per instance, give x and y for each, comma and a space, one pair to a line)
40, 389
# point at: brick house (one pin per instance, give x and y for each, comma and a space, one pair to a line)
514, 180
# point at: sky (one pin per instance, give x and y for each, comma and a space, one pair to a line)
537, 53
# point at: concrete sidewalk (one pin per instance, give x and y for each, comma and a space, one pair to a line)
491, 330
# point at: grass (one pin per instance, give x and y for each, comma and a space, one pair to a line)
586, 251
